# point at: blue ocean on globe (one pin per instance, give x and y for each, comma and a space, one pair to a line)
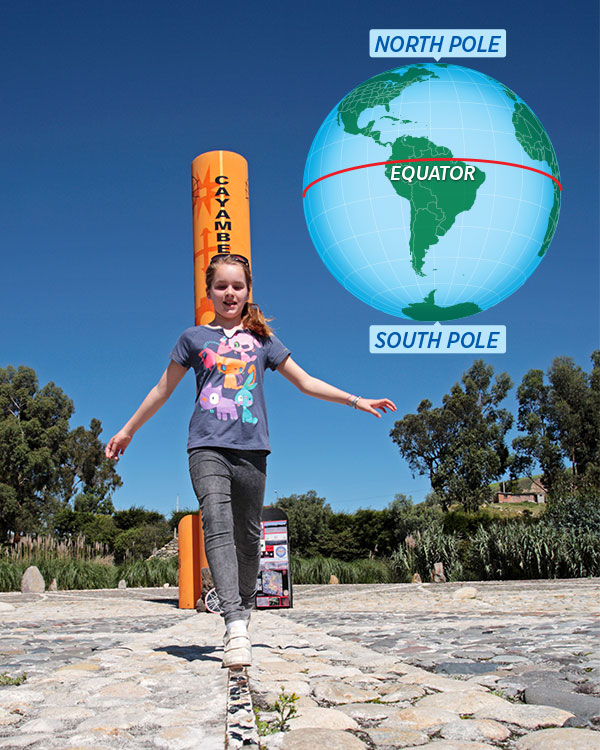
451, 237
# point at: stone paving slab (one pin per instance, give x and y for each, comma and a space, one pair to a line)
390, 666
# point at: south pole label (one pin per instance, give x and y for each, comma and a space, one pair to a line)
437, 339
437, 43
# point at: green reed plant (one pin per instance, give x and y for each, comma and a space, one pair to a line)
422, 550
46, 547
149, 573
541, 550
77, 565
318, 570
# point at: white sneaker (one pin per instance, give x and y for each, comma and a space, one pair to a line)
237, 651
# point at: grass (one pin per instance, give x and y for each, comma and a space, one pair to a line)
515, 510
6, 679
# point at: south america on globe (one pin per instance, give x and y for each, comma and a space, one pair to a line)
404, 205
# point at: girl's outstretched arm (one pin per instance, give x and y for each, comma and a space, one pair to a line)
320, 389
149, 406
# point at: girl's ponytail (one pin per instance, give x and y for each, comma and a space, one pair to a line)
255, 321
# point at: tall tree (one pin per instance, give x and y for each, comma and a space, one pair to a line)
560, 420
85, 474
41, 461
461, 445
309, 517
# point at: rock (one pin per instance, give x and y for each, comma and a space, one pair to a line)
23, 740
5, 607
475, 730
170, 549
333, 579
397, 736
327, 718
308, 739
437, 574
465, 667
523, 715
82, 666
207, 585
53, 585
32, 581
180, 738
322, 669
560, 739
581, 705
437, 682
474, 653
465, 702
41, 725
278, 666
459, 745
7, 717
125, 690
305, 701
339, 692
369, 711
122, 584
424, 718
466, 592
394, 693
67, 713
416, 578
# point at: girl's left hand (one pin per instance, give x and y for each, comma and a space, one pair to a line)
371, 404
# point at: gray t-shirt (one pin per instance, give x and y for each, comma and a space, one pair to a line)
230, 409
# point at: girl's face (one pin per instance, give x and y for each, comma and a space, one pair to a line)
228, 293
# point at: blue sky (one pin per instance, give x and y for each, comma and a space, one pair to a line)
104, 108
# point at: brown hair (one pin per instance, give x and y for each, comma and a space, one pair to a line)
252, 316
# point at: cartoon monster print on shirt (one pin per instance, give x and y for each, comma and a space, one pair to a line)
211, 398
245, 399
230, 367
240, 342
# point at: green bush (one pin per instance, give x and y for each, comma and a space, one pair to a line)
464, 522
139, 543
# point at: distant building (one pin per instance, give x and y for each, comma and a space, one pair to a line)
530, 491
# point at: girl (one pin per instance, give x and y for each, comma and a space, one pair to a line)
228, 436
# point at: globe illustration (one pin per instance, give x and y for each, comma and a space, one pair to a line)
431, 192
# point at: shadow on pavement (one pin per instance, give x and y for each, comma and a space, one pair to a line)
192, 653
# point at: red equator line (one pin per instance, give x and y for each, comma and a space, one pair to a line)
429, 158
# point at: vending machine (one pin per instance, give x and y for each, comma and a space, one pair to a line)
275, 573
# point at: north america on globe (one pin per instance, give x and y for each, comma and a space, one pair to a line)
425, 233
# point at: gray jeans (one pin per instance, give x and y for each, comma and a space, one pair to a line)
230, 487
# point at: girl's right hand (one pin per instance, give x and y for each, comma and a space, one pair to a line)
117, 444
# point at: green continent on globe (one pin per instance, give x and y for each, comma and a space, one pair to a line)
434, 204
532, 136
428, 310
379, 90
536, 144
